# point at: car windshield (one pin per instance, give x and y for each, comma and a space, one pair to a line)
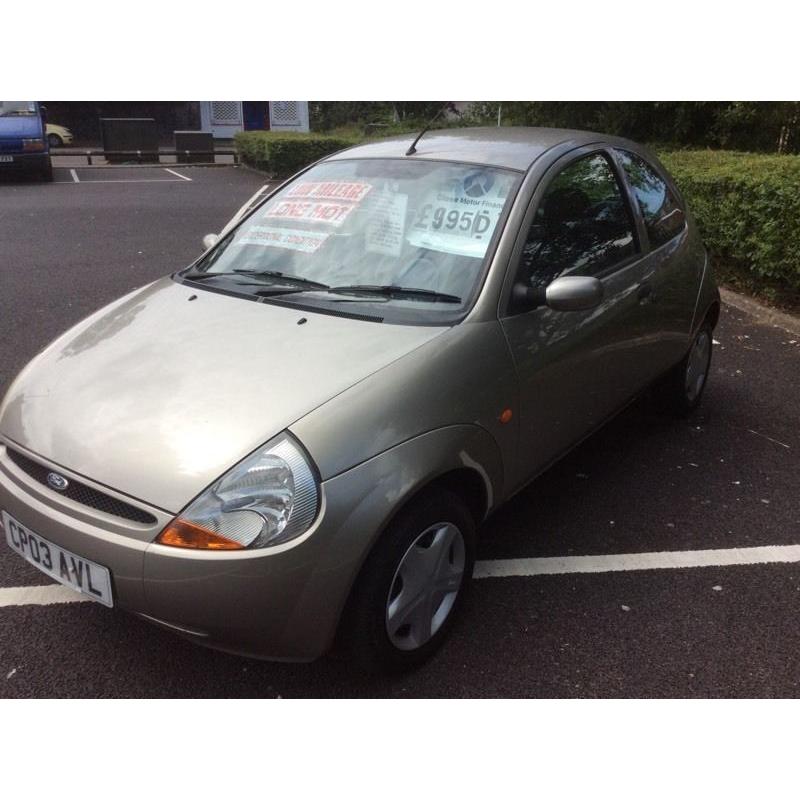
10, 108
403, 240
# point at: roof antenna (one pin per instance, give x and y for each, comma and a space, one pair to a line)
413, 149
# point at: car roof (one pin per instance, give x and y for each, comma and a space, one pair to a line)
508, 147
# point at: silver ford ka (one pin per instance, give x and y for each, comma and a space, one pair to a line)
293, 441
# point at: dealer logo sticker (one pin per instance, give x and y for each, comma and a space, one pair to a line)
57, 482
477, 184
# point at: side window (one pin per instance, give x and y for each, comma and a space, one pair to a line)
663, 217
582, 225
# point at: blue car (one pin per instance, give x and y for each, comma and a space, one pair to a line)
23, 143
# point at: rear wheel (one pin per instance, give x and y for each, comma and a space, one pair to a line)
412, 585
684, 385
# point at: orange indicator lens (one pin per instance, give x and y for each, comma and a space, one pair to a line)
181, 533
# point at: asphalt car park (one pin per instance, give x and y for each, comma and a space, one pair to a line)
634, 567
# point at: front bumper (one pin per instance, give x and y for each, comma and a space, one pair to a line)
280, 603
25, 163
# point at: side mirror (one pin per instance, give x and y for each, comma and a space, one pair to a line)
574, 293
209, 240
570, 293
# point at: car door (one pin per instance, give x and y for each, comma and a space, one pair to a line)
576, 368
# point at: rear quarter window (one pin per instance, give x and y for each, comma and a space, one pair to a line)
663, 216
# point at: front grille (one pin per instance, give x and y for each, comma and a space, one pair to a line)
80, 492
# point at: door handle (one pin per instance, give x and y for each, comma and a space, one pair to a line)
645, 294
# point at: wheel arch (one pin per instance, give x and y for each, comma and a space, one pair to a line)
708, 303
712, 313
472, 469
465, 482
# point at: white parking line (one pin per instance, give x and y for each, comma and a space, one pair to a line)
75, 177
39, 595
132, 180
514, 568
167, 169
626, 562
122, 180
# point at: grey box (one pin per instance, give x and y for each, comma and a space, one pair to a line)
129, 134
199, 144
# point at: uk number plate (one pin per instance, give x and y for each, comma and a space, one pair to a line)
6, 159
59, 564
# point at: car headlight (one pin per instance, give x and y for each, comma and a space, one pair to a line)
32, 145
267, 499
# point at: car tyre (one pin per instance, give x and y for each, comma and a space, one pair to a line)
412, 586
684, 384
54, 140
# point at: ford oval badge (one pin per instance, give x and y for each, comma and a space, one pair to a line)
56, 481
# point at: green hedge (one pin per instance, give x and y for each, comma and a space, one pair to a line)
282, 154
748, 209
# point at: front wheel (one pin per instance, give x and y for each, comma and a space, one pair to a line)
684, 385
412, 585
54, 140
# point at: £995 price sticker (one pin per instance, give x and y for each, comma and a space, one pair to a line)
461, 218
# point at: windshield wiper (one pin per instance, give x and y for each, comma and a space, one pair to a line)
290, 280
201, 276
390, 290
283, 284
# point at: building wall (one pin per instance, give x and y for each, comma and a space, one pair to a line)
222, 118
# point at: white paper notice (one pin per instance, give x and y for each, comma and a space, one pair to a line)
387, 223
286, 238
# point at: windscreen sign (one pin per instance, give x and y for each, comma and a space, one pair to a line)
461, 217
326, 202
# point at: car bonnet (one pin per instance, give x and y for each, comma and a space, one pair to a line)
22, 127
161, 392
